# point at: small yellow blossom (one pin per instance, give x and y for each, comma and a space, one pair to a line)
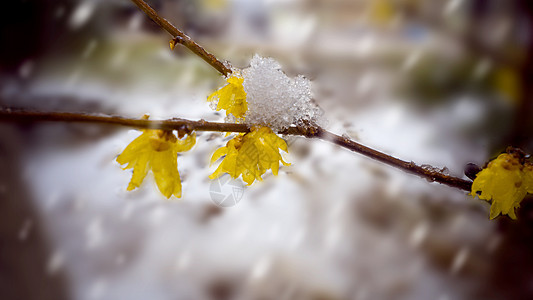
156, 150
231, 97
382, 12
505, 181
250, 155
507, 82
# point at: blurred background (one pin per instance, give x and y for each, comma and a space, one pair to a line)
441, 83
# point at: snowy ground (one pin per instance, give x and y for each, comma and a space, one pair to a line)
333, 225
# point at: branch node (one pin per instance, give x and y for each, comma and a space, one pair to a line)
178, 40
309, 130
183, 130
184, 126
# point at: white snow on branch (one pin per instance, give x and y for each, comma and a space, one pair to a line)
274, 99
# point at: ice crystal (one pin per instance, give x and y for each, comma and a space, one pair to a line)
274, 99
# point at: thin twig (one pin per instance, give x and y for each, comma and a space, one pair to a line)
13, 115
182, 38
430, 174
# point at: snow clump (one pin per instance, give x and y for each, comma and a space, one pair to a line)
274, 99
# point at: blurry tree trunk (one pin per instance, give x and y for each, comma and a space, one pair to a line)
24, 252
522, 131
513, 262
29, 28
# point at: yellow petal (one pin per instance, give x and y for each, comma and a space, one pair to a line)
185, 144
132, 151
156, 150
218, 154
249, 178
228, 165
504, 183
231, 97
528, 177
495, 210
250, 155
275, 168
139, 171
165, 169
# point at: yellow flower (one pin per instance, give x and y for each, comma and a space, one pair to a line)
231, 97
505, 181
382, 11
156, 150
250, 155
507, 83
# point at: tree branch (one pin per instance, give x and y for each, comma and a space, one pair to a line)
182, 38
13, 115
428, 173
311, 131
16, 115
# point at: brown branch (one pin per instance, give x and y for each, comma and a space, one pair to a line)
12, 115
409, 167
15, 115
182, 38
